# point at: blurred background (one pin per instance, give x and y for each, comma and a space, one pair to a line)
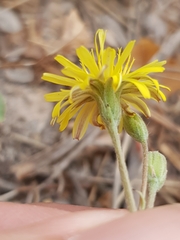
37, 162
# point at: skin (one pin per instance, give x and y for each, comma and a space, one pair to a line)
62, 222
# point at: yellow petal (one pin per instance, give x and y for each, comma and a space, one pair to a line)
87, 59
163, 97
157, 95
78, 75
154, 66
56, 96
141, 87
130, 66
82, 120
162, 86
56, 110
69, 113
108, 61
117, 80
128, 88
99, 41
150, 82
100, 37
66, 63
78, 102
125, 54
96, 118
137, 103
65, 81
126, 65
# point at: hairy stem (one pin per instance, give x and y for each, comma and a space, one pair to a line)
144, 170
129, 198
151, 197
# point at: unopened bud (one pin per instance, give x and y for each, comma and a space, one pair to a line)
157, 170
135, 127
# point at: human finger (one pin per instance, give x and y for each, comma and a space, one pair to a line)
158, 223
63, 226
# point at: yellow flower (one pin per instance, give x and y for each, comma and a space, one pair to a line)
97, 68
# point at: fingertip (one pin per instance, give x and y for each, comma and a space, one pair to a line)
157, 223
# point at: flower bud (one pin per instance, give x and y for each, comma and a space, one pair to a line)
157, 170
135, 127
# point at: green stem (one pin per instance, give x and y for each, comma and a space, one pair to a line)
129, 198
151, 197
144, 170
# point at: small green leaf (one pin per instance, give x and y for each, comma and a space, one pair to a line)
2, 109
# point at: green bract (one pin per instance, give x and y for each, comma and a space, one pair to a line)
157, 170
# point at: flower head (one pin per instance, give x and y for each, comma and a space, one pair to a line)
101, 70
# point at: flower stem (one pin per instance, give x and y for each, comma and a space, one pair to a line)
151, 197
144, 170
122, 168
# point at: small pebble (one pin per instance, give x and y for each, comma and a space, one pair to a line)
19, 75
9, 21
